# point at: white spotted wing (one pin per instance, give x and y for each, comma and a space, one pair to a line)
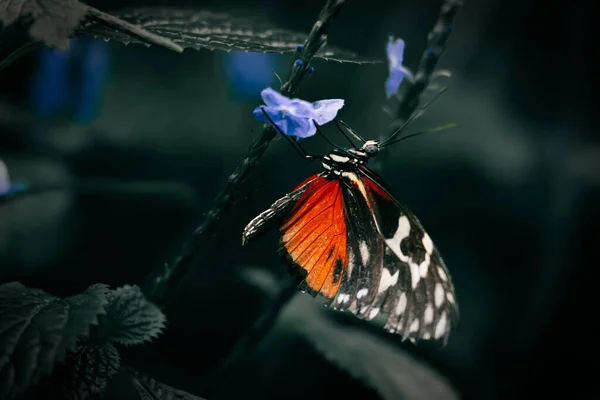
394, 267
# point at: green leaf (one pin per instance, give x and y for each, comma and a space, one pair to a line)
53, 21
368, 356
87, 371
37, 329
150, 389
212, 31
131, 318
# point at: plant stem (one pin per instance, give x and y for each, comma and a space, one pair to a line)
164, 281
436, 46
18, 53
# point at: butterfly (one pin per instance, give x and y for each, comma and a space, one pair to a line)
360, 248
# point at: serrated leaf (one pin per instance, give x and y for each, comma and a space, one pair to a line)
214, 31
88, 370
380, 364
36, 330
150, 389
53, 20
131, 318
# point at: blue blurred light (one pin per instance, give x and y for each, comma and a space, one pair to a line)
8, 188
14, 188
50, 86
94, 70
249, 73
73, 79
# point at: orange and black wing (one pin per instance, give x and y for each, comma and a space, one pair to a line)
276, 212
329, 235
314, 237
364, 252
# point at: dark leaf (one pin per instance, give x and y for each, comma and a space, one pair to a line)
213, 31
53, 21
87, 371
130, 384
36, 330
132, 319
380, 364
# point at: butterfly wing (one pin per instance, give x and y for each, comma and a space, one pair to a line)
273, 214
312, 223
415, 287
313, 236
364, 252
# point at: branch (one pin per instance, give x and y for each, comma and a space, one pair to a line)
436, 46
18, 53
165, 280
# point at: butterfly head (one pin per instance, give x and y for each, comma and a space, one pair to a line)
371, 148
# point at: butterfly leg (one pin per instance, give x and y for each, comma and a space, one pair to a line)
299, 149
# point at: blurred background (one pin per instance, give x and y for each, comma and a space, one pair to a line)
510, 196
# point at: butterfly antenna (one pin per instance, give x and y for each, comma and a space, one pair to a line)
439, 128
345, 134
414, 115
329, 141
350, 130
299, 149
323, 135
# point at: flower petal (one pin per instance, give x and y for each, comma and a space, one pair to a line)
273, 112
326, 110
297, 107
287, 123
300, 127
300, 108
393, 82
312, 129
4, 178
395, 52
274, 98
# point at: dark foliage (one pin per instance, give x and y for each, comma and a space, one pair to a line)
213, 31
116, 211
38, 329
51, 21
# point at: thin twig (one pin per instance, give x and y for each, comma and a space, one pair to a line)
18, 53
436, 46
165, 280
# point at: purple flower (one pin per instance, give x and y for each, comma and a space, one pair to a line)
395, 54
294, 117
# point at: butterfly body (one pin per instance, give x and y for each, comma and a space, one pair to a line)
360, 249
